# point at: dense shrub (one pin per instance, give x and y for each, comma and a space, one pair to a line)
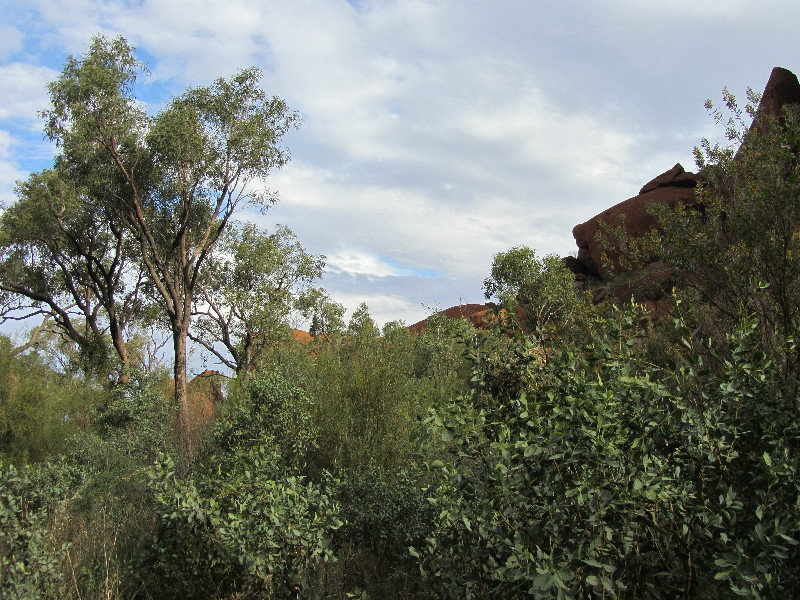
243, 522
382, 515
273, 413
40, 409
383, 512
248, 532
33, 503
612, 477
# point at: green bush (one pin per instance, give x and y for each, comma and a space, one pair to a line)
250, 532
609, 476
273, 412
243, 522
382, 514
33, 501
40, 409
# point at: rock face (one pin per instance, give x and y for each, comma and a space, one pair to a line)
204, 395
474, 313
782, 88
672, 186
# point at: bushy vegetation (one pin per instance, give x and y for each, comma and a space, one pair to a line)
567, 449
611, 476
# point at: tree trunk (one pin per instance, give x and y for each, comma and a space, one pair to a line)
122, 351
181, 398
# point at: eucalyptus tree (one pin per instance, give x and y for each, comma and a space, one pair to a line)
62, 257
252, 283
327, 315
177, 177
542, 290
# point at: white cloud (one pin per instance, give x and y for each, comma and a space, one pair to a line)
9, 171
10, 41
354, 262
23, 91
436, 134
383, 307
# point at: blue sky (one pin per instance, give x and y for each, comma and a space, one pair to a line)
434, 133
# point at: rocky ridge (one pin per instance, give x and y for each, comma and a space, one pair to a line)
633, 218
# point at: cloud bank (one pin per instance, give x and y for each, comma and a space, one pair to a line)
435, 133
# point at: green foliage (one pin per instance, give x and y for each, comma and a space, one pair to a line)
167, 186
735, 251
252, 284
439, 349
32, 502
63, 257
74, 526
39, 408
129, 430
274, 413
245, 523
572, 462
368, 392
751, 211
326, 315
364, 399
383, 514
361, 325
610, 476
541, 291
250, 531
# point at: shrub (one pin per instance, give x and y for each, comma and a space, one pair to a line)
274, 413
32, 502
39, 408
244, 522
251, 531
610, 476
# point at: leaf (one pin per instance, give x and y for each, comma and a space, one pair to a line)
593, 563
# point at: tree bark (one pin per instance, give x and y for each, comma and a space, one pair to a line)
181, 397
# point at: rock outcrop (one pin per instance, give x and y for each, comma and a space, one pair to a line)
672, 186
633, 217
474, 313
203, 395
781, 89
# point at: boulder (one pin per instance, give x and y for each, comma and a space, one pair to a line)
675, 177
651, 283
575, 266
672, 186
781, 89
204, 394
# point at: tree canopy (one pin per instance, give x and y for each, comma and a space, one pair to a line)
251, 285
163, 188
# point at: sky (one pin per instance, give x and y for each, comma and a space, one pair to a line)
434, 134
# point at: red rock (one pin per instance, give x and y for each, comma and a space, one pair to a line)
204, 395
574, 265
672, 186
676, 176
474, 313
302, 336
781, 89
